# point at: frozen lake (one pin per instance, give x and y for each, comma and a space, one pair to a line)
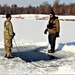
30, 35
31, 30
26, 29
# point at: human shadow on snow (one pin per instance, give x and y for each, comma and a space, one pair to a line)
33, 54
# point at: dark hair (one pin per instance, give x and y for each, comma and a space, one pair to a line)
52, 13
54, 17
8, 15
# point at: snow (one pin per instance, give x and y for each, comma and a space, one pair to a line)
30, 47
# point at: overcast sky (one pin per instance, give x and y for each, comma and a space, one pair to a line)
32, 2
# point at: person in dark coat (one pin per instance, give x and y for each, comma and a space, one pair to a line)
53, 28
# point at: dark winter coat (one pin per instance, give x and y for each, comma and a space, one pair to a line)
56, 26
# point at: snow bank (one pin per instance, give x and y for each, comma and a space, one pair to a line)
40, 17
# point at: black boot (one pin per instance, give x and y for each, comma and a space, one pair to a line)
51, 51
9, 57
5, 55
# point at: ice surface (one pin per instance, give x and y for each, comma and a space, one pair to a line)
32, 43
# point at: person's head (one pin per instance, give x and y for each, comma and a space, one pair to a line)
8, 16
52, 14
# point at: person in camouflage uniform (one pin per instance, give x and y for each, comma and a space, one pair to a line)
8, 36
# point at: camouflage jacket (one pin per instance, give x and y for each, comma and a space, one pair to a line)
8, 30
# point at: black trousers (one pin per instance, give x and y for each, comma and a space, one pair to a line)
52, 40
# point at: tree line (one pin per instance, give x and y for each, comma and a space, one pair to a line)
44, 8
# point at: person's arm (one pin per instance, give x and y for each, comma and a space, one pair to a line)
11, 32
57, 28
10, 29
57, 25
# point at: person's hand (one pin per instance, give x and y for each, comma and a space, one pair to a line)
13, 34
45, 32
57, 34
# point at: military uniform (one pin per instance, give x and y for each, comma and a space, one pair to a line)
8, 36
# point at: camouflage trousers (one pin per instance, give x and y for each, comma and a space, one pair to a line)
8, 46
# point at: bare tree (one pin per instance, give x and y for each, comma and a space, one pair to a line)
56, 6
14, 8
44, 8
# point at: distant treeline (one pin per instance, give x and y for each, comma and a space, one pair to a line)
44, 8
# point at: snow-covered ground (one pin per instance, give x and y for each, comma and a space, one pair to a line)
31, 45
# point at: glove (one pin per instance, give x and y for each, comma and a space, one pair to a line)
45, 32
13, 35
57, 34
